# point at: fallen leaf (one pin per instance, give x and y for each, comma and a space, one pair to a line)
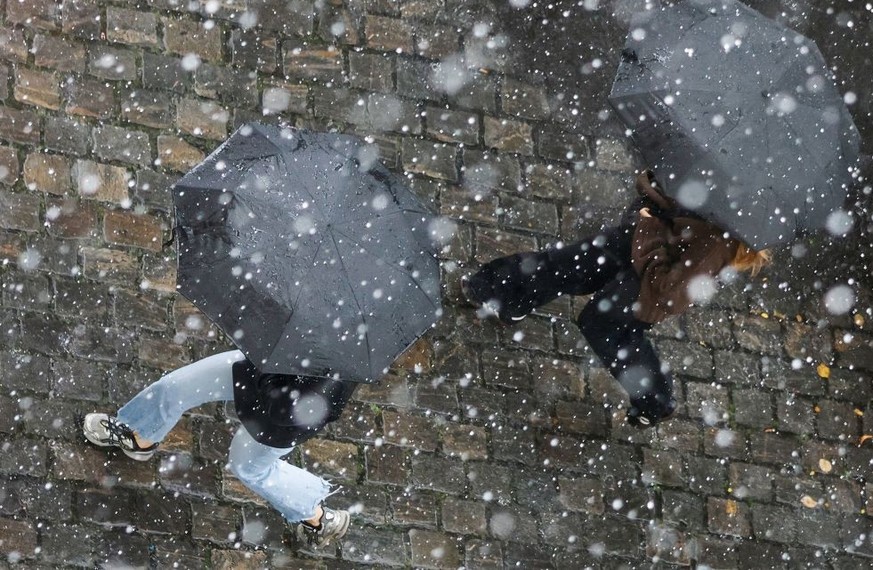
764, 316
824, 465
808, 502
731, 508
823, 370
859, 412
859, 320
865, 437
816, 409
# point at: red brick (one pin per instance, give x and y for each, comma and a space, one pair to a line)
138, 230
19, 126
389, 34
19, 211
186, 36
58, 53
37, 88
47, 173
178, 154
17, 537
131, 27
69, 218
43, 14
202, 118
102, 182
8, 165
89, 98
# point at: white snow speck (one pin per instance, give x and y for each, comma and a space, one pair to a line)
839, 223
190, 61
839, 300
692, 194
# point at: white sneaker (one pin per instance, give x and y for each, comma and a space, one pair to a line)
334, 524
106, 431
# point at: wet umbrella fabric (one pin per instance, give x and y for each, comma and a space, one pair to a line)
738, 117
307, 252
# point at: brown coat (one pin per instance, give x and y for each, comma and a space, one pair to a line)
669, 250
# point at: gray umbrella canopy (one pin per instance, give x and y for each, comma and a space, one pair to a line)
307, 252
738, 117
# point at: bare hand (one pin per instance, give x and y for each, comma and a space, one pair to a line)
645, 213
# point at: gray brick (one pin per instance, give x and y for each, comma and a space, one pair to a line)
795, 415
21, 126
751, 482
124, 145
253, 50
375, 547
436, 160
236, 87
524, 100
436, 41
112, 63
452, 126
414, 79
753, 408
549, 181
485, 172
24, 457
40, 14
26, 371
19, 211
530, 215
67, 135
388, 34
183, 37
478, 94
437, 474
89, 98
82, 18
165, 73
323, 65
837, 420
374, 111
508, 135
58, 53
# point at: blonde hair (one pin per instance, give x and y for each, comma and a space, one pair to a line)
747, 259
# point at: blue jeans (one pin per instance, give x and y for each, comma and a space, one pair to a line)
294, 492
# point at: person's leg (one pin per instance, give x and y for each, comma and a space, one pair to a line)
619, 340
153, 412
517, 284
294, 492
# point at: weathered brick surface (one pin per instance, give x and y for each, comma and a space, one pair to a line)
486, 446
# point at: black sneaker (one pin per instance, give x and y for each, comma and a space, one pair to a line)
643, 420
333, 524
106, 431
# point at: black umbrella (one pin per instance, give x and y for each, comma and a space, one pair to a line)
738, 117
307, 252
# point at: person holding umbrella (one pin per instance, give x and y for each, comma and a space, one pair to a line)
278, 412
648, 268
317, 262
753, 146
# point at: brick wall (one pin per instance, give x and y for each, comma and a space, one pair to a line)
487, 447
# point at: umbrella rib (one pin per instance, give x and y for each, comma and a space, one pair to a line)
370, 216
300, 291
354, 297
395, 267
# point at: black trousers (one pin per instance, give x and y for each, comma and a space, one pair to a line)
600, 265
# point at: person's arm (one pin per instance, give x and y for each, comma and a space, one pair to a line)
668, 258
